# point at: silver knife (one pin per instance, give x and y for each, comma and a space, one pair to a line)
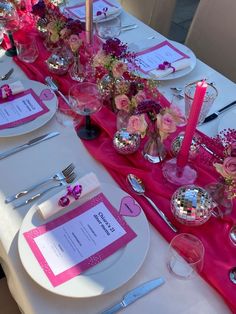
135, 294
217, 113
32, 142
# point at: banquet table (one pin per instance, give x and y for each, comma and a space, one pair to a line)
33, 164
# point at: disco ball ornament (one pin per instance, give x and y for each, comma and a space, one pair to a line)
177, 142
126, 143
191, 205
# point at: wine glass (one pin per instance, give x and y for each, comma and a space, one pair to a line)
85, 99
108, 28
10, 21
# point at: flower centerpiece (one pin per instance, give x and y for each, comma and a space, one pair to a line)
224, 190
111, 69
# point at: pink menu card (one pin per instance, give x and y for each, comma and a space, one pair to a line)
149, 59
98, 5
21, 108
72, 243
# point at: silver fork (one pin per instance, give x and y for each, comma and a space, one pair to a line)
64, 182
56, 177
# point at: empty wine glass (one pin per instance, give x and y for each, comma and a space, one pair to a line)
85, 99
108, 28
10, 21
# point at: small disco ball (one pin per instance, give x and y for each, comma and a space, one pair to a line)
191, 205
126, 143
177, 142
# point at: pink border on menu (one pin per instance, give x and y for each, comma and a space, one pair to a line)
86, 264
82, 4
156, 47
27, 119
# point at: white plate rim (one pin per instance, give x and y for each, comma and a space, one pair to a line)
227, 120
39, 121
155, 41
75, 288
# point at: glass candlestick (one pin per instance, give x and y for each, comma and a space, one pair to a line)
178, 175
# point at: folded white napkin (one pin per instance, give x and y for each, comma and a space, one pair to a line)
178, 65
11, 89
111, 11
50, 207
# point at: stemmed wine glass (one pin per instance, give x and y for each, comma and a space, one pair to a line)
85, 99
9, 19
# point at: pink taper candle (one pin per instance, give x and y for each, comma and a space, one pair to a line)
198, 99
89, 21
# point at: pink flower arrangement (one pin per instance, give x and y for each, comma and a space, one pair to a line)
228, 168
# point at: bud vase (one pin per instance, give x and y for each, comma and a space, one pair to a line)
76, 70
154, 150
222, 194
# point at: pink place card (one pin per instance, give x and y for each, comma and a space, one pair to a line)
150, 59
21, 108
98, 5
76, 241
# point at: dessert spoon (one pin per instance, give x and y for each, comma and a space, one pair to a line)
138, 187
232, 234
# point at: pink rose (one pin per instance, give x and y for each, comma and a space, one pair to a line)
118, 69
122, 102
140, 96
74, 42
231, 150
228, 168
137, 124
166, 124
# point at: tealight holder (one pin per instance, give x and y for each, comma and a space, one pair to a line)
126, 143
191, 205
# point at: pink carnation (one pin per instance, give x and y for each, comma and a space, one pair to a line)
118, 69
122, 102
137, 124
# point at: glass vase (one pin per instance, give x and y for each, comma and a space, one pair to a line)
154, 150
222, 194
76, 70
122, 119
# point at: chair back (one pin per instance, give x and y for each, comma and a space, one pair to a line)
155, 13
212, 35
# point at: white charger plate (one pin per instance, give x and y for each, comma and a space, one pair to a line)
30, 126
150, 42
227, 120
108, 17
104, 277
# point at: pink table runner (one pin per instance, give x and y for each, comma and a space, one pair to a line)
220, 254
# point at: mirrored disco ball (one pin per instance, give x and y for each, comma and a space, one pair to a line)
126, 143
191, 205
177, 142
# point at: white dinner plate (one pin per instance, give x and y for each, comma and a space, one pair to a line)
30, 126
150, 42
106, 276
227, 120
108, 17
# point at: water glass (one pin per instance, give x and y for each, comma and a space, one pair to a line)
209, 98
185, 256
108, 28
27, 51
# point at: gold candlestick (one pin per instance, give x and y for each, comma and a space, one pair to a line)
89, 21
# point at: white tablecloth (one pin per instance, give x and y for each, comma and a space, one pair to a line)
31, 165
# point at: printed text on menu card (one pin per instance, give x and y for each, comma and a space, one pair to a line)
78, 240
149, 59
20, 109
98, 5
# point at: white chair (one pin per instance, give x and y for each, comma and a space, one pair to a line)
7, 303
212, 35
155, 13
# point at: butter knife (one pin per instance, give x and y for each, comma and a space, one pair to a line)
217, 113
32, 142
135, 294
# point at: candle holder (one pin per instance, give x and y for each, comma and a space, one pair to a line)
178, 175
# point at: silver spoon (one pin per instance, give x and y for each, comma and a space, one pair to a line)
52, 84
232, 235
138, 187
